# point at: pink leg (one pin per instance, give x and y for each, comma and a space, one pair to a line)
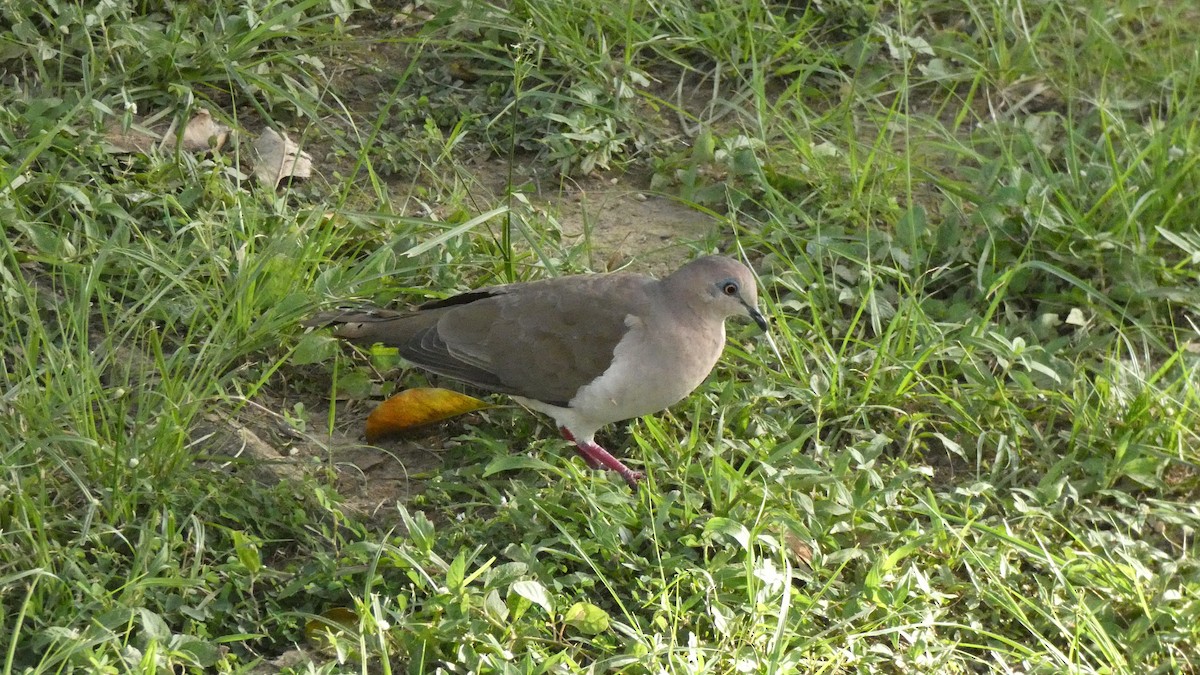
585, 453
588, 457
598, 457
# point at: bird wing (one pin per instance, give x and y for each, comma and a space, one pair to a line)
541, 340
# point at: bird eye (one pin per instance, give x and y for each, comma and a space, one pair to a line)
729, 288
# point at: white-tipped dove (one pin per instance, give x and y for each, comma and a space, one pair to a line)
587, 350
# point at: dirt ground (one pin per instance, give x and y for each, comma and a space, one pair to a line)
624, 224
625, 227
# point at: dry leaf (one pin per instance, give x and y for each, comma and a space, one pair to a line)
202, 134
278, 157
127, 142
801, 552
410, 16
417, 407
1076, 318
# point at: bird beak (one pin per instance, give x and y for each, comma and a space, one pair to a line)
761, 320
756, 316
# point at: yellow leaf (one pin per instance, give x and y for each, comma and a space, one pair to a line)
417, 407
323, 632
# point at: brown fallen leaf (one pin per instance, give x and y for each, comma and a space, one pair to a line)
277, 157
801, 552
120, 141
417, 407
410, 16
202, 133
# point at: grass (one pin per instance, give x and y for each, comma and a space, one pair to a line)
975, 227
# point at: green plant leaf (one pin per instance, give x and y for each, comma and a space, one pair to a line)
587, 618
534, 592
514, 463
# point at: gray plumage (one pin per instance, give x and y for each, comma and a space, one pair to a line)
587, 350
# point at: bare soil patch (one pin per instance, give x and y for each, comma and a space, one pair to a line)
620, 222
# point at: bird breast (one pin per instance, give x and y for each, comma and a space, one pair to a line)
649, 373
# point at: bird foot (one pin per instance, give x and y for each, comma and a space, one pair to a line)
599, 458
